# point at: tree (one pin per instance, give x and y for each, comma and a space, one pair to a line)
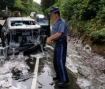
24, 6
46, 4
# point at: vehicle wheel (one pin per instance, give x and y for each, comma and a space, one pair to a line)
4, 40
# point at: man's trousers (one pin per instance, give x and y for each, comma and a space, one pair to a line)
60, 52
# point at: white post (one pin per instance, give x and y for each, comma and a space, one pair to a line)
34, 81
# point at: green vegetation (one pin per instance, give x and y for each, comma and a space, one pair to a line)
86, 16
24, 6
98, 36
45, 5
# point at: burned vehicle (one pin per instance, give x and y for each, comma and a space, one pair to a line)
23, 34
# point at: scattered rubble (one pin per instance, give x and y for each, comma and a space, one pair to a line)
12, 68
85, 66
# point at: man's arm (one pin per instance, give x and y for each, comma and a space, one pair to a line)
51, 38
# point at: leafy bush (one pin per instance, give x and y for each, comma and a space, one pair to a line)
98, 36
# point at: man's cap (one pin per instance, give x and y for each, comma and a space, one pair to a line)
54, 9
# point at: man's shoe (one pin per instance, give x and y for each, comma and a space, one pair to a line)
63, 84
55, 78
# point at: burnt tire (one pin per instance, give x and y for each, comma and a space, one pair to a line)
2, 39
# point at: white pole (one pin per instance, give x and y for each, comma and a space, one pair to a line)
34, 81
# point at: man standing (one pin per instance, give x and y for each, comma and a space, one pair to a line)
59, 36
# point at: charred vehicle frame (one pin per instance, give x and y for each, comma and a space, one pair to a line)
23, 34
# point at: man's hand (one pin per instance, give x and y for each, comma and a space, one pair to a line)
51, 38
48, 40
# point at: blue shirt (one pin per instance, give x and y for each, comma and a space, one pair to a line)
60, 26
